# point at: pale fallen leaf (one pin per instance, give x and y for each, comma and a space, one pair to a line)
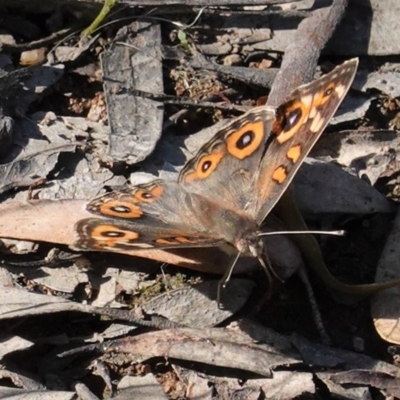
198, 387
108, 290
330, 357
21, 394
54, 222
61, 279
140, 387
285, 385
14, 344
387, 82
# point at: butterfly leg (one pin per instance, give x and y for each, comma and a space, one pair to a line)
224, 281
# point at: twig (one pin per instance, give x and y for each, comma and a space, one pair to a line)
125, 315
18, 47
168, 99
301, 56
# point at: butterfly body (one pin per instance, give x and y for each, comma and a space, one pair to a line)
226, 191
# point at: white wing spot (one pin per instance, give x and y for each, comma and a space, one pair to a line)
306, 100
340, 89
313, 113
139, 245
317, 123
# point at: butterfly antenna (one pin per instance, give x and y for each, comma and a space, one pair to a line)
333, 233
225, 279
268, 268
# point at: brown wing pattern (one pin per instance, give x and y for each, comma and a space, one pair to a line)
156, 214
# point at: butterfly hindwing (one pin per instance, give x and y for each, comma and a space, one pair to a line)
149, 215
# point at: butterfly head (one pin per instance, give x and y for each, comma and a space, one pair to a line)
253, 245
250, 244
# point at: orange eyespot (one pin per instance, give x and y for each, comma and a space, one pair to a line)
148, 195
289, 118
292, 118
108, 235
323, 96
120, 209
205, 166
246, 140
329, 90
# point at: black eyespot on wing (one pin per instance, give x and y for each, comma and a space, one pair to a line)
121, 209
206, 165
292, 118
147, 195
112, 234
245, 140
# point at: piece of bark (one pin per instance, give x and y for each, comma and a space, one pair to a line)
136, 122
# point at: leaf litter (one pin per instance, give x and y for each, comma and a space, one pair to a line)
58, 133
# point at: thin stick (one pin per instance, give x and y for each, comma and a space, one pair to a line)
203, 3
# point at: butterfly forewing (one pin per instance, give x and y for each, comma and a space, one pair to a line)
298, 124
223, 169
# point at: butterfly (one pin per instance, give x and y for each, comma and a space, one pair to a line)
223, 194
